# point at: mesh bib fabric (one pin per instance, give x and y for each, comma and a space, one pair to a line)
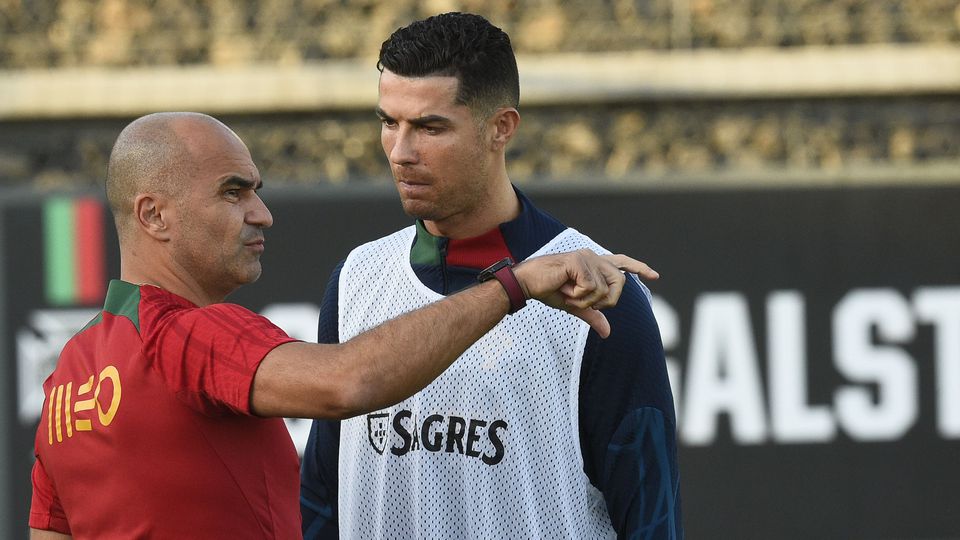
488, 450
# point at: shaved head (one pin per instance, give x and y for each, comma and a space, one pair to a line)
152, 154
183, 191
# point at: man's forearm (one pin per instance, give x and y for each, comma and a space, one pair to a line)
393, 361
405, 354
377, 368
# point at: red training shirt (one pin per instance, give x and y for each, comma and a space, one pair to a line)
147, 431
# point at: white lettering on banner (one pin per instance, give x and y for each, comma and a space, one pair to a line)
891, 369
870, 330
669, 324
722, 374
297, 320
792, 418
940, 306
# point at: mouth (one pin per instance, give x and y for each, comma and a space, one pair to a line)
412, 182
412, 187
256, 245
412, 176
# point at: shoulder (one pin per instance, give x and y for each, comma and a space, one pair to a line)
368, 252
634, 309
373, 256
571, 239
400, 236
159, 307
171, 317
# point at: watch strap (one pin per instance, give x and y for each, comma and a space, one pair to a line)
502, 271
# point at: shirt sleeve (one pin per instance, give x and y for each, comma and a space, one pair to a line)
46, 512
319, 474
209, 355
628, 423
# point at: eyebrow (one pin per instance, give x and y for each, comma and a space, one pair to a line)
240, 182
421, 121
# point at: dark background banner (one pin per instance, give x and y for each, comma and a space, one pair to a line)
813, 337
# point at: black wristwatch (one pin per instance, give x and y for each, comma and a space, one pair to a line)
502, 270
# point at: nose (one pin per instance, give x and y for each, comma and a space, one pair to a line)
259, 214
400, 145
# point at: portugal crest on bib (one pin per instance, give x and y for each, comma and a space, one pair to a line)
377, 431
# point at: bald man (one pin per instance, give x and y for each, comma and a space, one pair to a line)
162, 418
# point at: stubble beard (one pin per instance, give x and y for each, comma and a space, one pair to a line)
470, 194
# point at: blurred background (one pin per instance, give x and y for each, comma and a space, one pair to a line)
792, 167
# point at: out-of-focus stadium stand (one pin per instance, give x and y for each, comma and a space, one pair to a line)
655, 92
67, 33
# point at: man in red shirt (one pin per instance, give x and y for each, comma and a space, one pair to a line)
163, 416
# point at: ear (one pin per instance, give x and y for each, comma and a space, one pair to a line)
152, 215
503, 125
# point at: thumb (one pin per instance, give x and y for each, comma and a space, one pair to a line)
598, 321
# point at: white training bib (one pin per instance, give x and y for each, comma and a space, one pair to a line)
491, 449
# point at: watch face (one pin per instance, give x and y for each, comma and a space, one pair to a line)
488, 272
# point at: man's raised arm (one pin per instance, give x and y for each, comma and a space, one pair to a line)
398, 358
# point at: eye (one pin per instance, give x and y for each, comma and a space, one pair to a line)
432, 130
232, 193
388, 122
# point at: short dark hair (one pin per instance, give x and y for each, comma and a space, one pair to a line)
462, 45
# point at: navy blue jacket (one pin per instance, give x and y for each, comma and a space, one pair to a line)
627, 419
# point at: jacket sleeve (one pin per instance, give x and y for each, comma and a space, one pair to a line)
318, 473
628, 423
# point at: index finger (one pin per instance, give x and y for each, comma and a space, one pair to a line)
629, 264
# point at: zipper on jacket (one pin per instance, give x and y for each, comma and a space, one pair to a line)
443, 265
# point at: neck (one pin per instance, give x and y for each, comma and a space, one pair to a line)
163, 275
500, 205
